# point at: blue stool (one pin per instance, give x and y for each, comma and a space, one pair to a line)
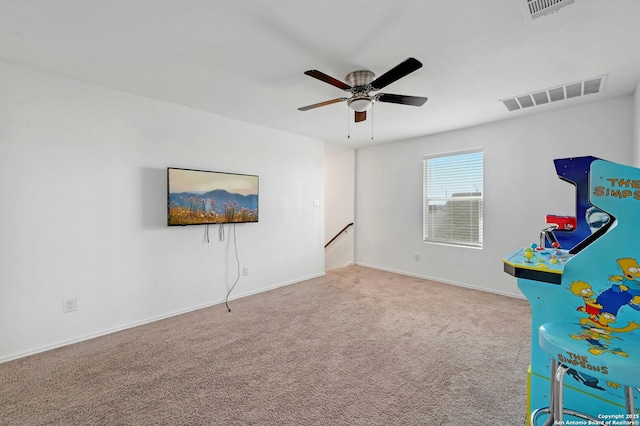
598, 352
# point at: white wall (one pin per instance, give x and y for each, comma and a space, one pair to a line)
520, 183
83, 210
636, 126
339, 205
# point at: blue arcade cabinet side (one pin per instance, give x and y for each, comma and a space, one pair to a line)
569, 231
593, 281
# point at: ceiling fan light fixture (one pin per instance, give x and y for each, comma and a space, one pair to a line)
362, 82
360, 104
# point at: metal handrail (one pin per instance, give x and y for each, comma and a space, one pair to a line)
338, 234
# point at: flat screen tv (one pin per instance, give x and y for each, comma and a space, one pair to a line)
199, 197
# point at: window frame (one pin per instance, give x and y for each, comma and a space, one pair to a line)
427, 224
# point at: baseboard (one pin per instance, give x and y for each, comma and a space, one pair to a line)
342, 266
440, 280
149, 320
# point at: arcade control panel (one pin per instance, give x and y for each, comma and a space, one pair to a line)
537, 263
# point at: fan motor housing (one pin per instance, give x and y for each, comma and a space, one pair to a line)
359, 78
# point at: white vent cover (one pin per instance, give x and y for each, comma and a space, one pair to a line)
571, 90
533, 9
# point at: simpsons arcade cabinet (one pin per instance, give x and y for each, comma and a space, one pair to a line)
585, 270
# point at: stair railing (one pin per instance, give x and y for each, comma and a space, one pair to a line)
338, 234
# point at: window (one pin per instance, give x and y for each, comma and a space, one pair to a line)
452, 211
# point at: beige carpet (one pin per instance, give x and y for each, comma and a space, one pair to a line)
356, 347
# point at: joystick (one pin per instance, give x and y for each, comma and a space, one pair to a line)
528, 254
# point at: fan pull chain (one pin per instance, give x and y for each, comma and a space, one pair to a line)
371, 122
348, 124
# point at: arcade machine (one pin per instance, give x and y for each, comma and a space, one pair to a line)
585, 270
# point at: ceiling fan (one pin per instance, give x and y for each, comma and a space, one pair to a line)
362, 83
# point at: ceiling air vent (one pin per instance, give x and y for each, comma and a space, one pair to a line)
536, 8
571, 90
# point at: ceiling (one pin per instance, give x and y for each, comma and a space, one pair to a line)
245, 59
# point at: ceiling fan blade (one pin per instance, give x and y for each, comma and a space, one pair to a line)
328, 79
396, 73
320, 104
401, 99
360, 116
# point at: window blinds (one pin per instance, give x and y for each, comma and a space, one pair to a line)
453, 187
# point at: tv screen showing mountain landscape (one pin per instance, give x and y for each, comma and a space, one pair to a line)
197, 197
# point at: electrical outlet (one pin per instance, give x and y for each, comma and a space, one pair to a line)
416, 257
245, 271
69, 305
